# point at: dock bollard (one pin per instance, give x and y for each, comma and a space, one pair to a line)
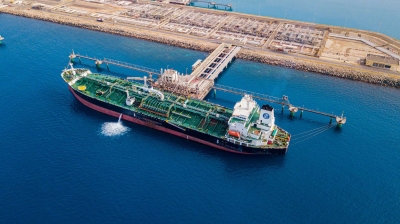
72, 57
340, 121
293, 110
98, 63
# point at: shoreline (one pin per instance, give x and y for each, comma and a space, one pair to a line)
283, 60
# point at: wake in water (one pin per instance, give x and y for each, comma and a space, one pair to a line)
114, 128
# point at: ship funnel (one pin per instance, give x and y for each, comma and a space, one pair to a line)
267, 116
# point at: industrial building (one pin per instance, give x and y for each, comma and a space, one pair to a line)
382, 62
179, 2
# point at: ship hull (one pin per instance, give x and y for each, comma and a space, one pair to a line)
161, 125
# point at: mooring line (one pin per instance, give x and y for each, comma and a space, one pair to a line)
315, 129
312, 135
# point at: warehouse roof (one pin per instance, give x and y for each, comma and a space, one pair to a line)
382, 59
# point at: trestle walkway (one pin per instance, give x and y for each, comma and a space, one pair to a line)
283, 101
108, 61
215, 63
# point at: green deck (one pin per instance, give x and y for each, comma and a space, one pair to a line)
198, 115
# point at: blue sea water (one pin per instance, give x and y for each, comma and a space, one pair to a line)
57, 166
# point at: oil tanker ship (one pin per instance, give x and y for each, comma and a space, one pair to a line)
245, 129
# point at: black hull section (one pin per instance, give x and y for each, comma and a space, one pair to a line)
188, 132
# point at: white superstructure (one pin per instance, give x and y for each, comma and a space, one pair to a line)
251, 125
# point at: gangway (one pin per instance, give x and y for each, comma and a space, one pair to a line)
284, 101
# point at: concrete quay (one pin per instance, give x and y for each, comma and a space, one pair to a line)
308, 47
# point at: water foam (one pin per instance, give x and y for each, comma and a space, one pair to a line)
113, 129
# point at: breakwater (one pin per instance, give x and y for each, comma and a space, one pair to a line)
363, 75
288, 61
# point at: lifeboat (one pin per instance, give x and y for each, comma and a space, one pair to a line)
234, 134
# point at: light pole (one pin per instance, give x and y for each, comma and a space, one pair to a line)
186, 71
167, 67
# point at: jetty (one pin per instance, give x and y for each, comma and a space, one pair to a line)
204, 73
202, 80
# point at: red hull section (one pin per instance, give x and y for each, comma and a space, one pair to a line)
149, 124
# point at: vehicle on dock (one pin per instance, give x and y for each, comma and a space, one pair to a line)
245, 129
100, 19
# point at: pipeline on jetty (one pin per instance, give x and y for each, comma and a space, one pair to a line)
284, 101
108, 61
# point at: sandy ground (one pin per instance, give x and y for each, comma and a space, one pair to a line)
347, 50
